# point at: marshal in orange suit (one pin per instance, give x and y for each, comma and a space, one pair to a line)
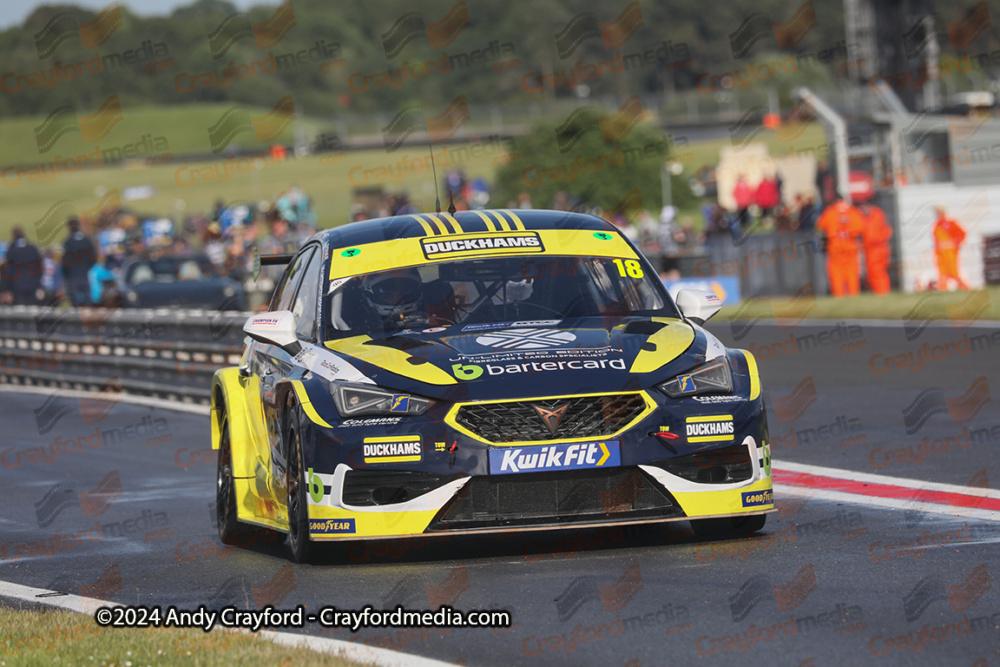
877, 250
948, 239
843, 226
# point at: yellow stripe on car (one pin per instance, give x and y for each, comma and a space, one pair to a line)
391, 359
307, 406
665, 345
754, 376
423, 223
401, 253
490, 225
513, 216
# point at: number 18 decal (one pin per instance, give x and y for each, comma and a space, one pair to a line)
628, 267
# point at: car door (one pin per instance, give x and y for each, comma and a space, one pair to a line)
300, 297
267, 365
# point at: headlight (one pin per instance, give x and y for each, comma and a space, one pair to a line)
131, 297
228, 291
713, 377
354, 399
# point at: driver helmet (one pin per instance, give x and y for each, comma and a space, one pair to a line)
393, 294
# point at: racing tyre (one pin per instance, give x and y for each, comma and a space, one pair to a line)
230, 529
303, 550
728, 527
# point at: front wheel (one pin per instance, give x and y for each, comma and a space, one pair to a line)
298, 508
728, 527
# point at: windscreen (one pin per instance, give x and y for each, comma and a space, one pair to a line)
493, 290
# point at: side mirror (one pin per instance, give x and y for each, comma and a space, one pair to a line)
277, 328
697, 306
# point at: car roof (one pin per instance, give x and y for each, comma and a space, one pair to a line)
461, 222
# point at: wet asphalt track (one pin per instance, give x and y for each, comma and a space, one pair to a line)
824, 584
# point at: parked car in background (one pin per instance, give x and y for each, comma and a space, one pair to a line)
187, 282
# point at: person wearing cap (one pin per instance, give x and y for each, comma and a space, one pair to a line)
843, 227
875, 240
948, 239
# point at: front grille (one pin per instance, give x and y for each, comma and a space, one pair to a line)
556, 499
385, 487
519, 421
723, 465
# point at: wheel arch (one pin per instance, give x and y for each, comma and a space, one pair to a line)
229, 400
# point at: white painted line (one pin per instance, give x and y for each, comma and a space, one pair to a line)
150, 401
350, 650
853, 476
885, 503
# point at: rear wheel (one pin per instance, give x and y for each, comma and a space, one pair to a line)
230, 529
728, 527
298, 505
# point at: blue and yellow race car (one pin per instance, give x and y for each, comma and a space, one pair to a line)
484, 371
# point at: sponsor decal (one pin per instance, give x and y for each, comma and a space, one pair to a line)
526, 339
488, 244
400, 403
575, 456
316, 489
717, 399
538, 367
755, 498
718, 428
371, 421
507, 325
687, 382
604, 236
265, 321
433, 330
398, 449
351, 252
332, 526
336, 284
466, 371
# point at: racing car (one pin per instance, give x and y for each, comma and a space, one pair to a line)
484, 370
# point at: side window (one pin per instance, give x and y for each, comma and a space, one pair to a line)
289, 284
304, 305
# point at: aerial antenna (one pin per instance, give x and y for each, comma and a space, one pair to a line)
451, 202
437, 197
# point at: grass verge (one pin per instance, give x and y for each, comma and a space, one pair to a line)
48, 637
957, 307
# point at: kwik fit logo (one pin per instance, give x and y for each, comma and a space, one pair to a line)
64, 25
65, 119
613, 128
439, 33
759, 25
265, 128
585, 26
411, 118
238, 26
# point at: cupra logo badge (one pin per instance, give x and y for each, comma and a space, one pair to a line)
551, 417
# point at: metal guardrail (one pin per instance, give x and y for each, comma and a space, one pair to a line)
163, 353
